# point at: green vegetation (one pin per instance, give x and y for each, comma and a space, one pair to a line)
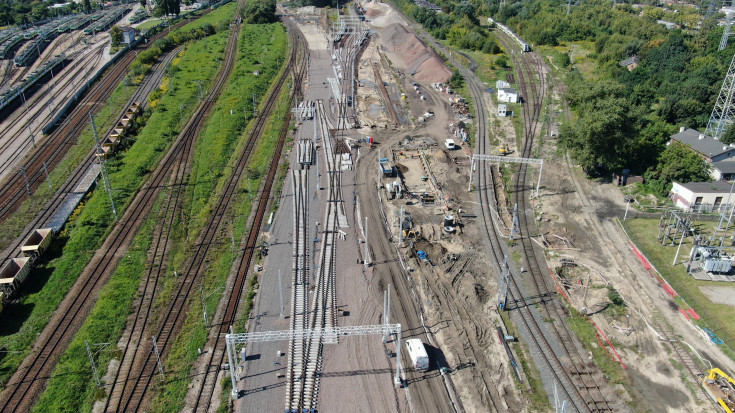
148, 24
198, 63
587, 334
260, 12
272, 39
537, 397
624, 117
717, 317
91, 222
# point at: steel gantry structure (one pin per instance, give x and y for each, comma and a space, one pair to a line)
233, 340
498, 159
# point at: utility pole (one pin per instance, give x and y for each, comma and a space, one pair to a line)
504, 285
204, 307
158, 357
91, 355
30, 132
400, 228
367, 251
199, 90
25, 177
48, 180
516, 229
280, 292
255, 107
103, 169
386, 311
676, 257
94, 366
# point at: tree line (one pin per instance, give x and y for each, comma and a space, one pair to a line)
624, 119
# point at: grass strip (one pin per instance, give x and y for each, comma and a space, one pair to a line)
717, 317
537, 397
184, 352
51, 280
12, 227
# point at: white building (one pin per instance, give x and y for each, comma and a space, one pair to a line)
501, 84
702, 196
502, 110
507, 95
128, 34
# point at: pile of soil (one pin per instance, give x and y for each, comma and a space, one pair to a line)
418, 60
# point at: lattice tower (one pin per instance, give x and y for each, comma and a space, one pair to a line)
722, 113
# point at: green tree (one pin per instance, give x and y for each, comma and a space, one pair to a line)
143, 3
729, 136
117, 36
87, 6
677, 163
601, 134
260, 12
501, 61
456, 81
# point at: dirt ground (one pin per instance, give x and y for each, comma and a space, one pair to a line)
576, 222
455, 285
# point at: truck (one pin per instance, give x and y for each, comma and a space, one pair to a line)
385, 167
417, 354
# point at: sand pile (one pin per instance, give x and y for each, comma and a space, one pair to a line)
381, 14
373, 12
418, 60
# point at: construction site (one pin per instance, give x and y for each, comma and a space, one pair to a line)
424, 254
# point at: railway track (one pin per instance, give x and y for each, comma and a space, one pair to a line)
138, 380
52, 206
305, 357
13, 133
13, 190
296, 65
28, 382
578, 381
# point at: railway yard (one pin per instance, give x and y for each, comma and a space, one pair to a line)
358, 202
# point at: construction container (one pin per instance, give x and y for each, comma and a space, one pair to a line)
417, 354
37, 242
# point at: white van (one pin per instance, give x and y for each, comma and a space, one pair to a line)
449, 143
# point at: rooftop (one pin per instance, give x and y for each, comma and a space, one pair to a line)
708, 187
507, 90
629, 61
703, 144
726, 167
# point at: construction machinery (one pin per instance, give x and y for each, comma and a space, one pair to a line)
504, 149
721, 388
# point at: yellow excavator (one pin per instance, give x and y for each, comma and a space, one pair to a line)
504, 150
721, 388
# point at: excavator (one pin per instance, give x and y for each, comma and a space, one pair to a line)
721, 388
504, 150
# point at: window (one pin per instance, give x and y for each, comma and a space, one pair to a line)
718, 200
698, 201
